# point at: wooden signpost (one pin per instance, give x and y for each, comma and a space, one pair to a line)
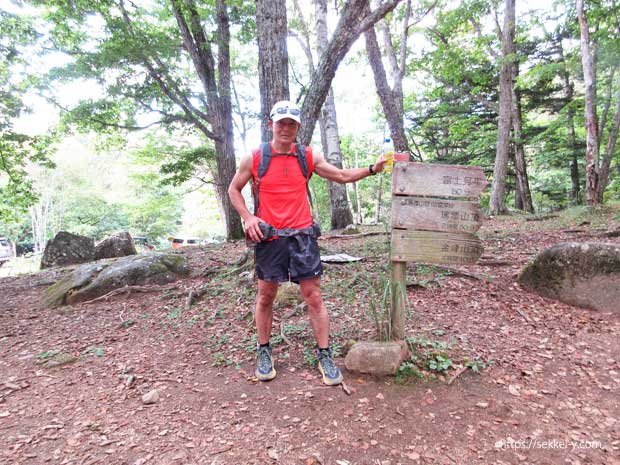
435, 213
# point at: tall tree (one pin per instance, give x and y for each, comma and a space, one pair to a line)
341, 215
272, 30
523, 185
17, 193
497, 201
391, 98
355, 18
148, 61
568, 90
592, 139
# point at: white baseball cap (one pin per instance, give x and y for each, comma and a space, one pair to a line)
285, 109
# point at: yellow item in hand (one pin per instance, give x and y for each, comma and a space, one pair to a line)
389, 164
388, 154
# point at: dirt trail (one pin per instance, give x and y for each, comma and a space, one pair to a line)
549, 394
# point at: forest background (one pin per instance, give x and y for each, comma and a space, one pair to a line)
121, 115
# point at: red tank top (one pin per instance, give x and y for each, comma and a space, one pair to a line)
283, 199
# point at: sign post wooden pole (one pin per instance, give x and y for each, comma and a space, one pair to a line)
435, 213
399, 304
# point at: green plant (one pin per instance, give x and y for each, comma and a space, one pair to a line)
476, 365
219, 359
96, 351
175, 313
383, 293
430, 354
127, 324
439, 362
47, 354
406, 371
310, 355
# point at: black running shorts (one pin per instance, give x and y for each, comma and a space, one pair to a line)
288, 259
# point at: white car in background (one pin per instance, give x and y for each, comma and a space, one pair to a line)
6, 251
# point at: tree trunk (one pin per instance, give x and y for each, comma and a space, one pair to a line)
610, 149
358, 207
602, 122
570, 127
272, 30
340, 212
522, 183
379, 194
592, 144
497, 201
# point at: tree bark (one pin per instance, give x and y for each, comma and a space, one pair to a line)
592, 172
522, 183
610, 150
497, 204
272, 30
570, 126
340, 212
602, 122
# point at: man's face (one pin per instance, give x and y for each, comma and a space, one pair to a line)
284, 130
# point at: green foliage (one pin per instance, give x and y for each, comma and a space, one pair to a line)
17, 151
406, 371
94, 217
47, 354
476, 365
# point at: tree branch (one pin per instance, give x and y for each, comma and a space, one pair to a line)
172, 92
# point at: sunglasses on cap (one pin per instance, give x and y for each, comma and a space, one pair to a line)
286, 110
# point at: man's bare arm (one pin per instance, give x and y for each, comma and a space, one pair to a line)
241, 178
328, 171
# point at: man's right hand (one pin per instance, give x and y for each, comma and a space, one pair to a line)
252, 228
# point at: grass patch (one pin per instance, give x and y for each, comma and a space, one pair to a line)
431, 358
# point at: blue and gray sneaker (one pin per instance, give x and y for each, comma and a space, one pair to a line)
264, 366
327, 367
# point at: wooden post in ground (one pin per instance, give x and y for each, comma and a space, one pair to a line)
399, 299
435, 214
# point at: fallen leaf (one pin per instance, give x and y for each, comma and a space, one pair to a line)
514, 390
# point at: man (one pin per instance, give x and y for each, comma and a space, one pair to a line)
292, 253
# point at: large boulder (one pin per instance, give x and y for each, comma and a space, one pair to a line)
96, 279
289, 295
68, 249
581, 274
376, 358
119, 245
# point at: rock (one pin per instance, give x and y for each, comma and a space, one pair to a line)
376, 358
288, 295
351, 229
150, 397
67, 249
96, 279
119, 245
581, 274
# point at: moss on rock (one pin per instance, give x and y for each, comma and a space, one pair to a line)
584, 274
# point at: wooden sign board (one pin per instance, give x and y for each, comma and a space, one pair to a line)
436, 214
437, 180
435, 247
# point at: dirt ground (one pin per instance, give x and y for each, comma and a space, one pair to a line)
72, 379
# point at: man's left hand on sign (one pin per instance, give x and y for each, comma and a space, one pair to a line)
252, 229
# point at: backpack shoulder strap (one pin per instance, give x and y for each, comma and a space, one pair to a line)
265, 159
303, 164
300, 152
263, 165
